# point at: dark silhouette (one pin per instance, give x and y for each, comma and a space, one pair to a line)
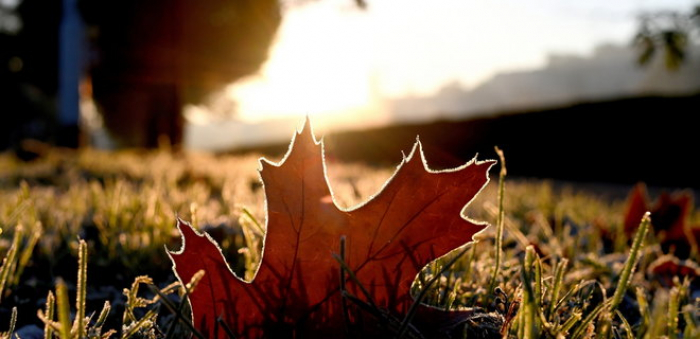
625, 141
28, 71
152, 57
144, 60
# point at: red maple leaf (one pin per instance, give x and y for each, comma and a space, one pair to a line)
667, 267
414, 219
669, 219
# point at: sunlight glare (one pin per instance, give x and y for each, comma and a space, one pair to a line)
318, 67
343, 66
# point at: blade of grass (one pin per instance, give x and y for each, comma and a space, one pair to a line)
581, 328
103, 314
672, 320
63, 309
134, 327
569, 323
566, 296
50, 302
13, 322
520, 322
626, 324
556, 287
452, 296
691, 328
26, 253
538, 283
255, 221
95, 331
8, 264
177, 310
547, 327
22, 204
659, 316
133, 301
628, 269
227, 329
352, 276
500, 224
81, 293
414, 307
643, 311
108, 334
604, 326
469, 261
369, 305
391, 322
444, 295
343, 304
530, 305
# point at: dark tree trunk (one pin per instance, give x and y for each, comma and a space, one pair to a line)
155, 56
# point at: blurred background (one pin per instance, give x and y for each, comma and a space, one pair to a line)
587, 91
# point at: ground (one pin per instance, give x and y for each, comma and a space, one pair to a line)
124, 206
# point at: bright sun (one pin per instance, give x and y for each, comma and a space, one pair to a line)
312, 71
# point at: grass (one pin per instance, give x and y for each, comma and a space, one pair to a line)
81, 229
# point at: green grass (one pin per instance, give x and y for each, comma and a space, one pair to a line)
90, 228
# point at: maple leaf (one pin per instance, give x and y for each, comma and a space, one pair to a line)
414, 219
669, 216
667, 267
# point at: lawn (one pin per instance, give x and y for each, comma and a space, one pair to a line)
564, 249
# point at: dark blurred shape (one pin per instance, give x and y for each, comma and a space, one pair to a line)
71, 66
144, 61
152, 57
10, 22
28, 70
668, 31
650, 139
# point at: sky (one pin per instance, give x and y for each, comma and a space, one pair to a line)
340, 64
